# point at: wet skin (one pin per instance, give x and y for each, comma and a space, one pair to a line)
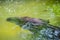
37, 27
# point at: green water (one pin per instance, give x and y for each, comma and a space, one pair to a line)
35, 9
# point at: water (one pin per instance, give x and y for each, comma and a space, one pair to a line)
10, 31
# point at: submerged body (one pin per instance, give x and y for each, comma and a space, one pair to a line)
41, 29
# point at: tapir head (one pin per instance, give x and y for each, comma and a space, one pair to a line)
27, 22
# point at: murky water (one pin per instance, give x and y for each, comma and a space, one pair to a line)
36, 9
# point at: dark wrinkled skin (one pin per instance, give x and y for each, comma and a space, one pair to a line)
40, 28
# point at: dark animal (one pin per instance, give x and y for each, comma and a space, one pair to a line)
41, 29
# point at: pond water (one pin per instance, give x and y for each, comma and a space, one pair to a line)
35, 9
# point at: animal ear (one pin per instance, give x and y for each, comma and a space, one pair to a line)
47, 21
